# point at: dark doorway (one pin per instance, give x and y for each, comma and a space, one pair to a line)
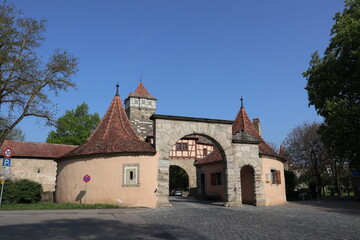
202, 184
247, 185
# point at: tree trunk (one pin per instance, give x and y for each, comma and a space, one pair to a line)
318, 187
337, 183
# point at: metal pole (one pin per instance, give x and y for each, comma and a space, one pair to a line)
85, 191
2, 190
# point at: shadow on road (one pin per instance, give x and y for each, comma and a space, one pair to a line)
340, 205
190, 200
85, 228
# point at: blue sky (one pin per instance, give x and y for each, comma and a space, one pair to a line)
197, 57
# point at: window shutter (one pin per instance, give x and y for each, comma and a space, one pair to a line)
278, 177
213, 179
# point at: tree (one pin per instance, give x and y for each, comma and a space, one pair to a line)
333, 85
274, 146
178, 178
303, 145
25, 81
15, 134
290, 184
74, 127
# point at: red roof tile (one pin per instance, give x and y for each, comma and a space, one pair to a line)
213, 157
114, 134
243, 123
141, 92
36, 150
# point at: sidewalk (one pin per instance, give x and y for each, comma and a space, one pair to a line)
74, 211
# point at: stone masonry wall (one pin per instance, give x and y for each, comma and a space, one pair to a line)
42, 171
248, 155
140, 121
168, 132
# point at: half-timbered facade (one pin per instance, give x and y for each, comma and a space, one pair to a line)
191, 147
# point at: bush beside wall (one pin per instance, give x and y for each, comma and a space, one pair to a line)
22, 192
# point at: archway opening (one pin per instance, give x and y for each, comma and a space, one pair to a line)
247, 185
203, 159
178, 179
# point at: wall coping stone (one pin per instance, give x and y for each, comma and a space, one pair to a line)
190, 119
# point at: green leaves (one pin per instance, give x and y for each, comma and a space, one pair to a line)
22, 192
74, 127
333, 85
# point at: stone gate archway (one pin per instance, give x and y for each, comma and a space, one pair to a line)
235, 154
169, 129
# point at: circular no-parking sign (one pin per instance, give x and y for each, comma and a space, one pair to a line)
7, 152
86, 178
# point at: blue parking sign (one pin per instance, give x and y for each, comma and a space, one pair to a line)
6, 162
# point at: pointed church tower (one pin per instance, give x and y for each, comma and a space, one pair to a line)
139, 107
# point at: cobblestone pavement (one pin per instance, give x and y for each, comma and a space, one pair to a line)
195, 221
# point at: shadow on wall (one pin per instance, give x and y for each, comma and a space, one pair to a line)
87, 228
80, 196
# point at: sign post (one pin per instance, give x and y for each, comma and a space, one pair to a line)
2, 190
6, 169
86, 179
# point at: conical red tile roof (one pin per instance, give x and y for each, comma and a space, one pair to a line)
141, 92
243, 123
114, 134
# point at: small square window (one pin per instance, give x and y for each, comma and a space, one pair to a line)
182, 146
275, 176
131, 175
205, 152
216, 178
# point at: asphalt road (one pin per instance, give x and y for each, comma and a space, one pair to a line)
189, 219
80, 224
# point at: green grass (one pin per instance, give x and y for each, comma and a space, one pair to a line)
55, 206
328, 194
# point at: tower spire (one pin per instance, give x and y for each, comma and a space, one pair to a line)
242, 104
117, 89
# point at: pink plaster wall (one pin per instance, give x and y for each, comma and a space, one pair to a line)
274, 193
213, 190
106, 185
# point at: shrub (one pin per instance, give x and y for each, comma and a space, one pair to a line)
22, 191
